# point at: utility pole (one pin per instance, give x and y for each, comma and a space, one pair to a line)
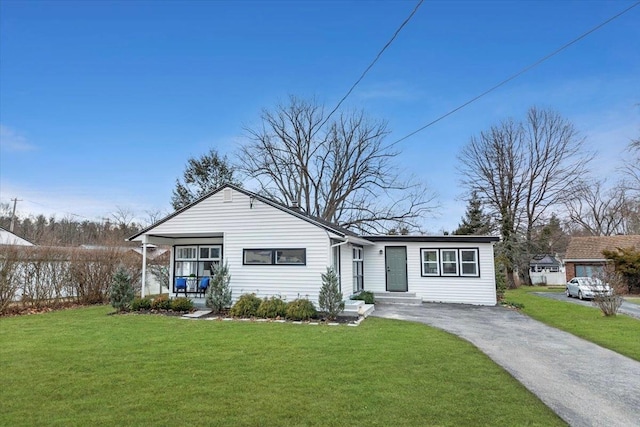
13, 214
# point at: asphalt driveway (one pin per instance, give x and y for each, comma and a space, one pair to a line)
628, 308
585, 384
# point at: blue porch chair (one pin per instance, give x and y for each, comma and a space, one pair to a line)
181, 285
204, 284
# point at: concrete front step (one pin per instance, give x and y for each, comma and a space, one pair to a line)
357, 308
403, 298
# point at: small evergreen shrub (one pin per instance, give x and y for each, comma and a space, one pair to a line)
181, 304
272, 308
121, 294
141, 304
301, 309
246, 306
365, 296
161, 302
330, 298
218, 296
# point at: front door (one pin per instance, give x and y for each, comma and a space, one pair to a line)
396, 265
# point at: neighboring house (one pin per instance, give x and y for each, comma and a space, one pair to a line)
272, 249
9, 238
544, 262
584, 254
546, 269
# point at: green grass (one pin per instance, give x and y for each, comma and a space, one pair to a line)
619, 333
82, 367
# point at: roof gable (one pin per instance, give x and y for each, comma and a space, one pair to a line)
591, 247
308, 218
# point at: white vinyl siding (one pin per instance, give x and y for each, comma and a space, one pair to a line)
477, 290
241, 224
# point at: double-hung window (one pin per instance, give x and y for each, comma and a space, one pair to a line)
449, 262
430, 263
469, 262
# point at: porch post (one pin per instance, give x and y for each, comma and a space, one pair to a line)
144, 265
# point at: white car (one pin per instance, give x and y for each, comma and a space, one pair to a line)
587, 287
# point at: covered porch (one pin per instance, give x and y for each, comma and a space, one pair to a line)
193, 260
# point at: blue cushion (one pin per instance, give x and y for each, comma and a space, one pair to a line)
181, 283
204, 283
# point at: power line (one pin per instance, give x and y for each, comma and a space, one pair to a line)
405, 22
524, 70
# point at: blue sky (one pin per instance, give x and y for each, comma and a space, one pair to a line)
102, 102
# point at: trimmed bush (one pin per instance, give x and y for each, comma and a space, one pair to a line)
330, 298
301, 309
246, 306
365, 296
181, 304
161, 302
218, 296
141, 304
121, 293
272, 308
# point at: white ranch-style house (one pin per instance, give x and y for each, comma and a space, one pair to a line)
272, 249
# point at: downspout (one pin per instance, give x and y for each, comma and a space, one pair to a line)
144, 265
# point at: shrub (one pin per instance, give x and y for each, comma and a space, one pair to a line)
161, 302
365, 296
271, 308
246, 306
181, 304
330, 298
501, 282
610, 304
218, 296
300, 309
141, 304
121, 294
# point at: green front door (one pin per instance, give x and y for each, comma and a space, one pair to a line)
396, 266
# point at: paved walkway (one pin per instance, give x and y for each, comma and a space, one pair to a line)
585, 384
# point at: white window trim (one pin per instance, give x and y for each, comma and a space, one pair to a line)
443, 262
475, 262
423, 262
218, 258
195, 251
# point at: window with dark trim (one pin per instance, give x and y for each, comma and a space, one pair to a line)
358, 269
430, 263
288, 256
449, 262
194, 262
469, 262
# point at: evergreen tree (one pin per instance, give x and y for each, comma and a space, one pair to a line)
475, 221
330, 298
121, 294
218, 295
202, 175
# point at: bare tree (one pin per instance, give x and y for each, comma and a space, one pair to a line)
341, 171
123, 217
520, 170
600, 212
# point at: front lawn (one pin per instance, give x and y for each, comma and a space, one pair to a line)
619, 333
82, 367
